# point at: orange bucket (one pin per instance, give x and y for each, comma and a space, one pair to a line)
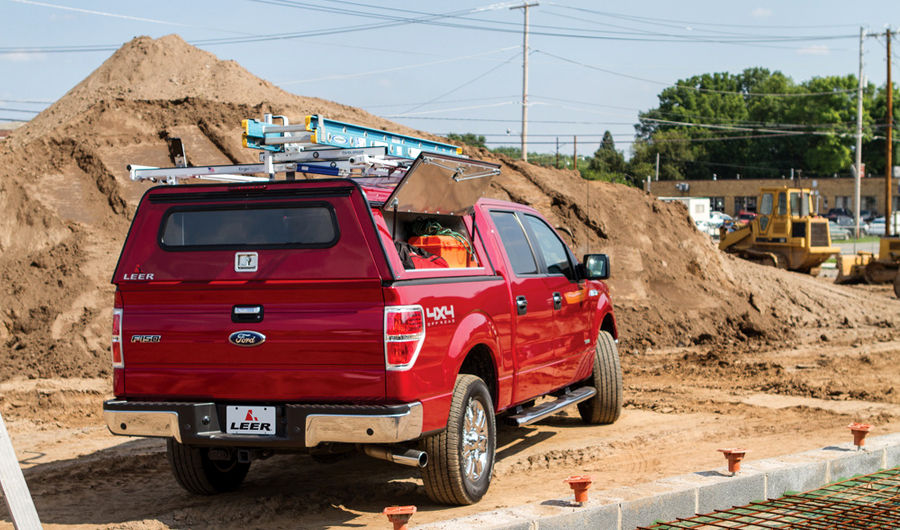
446, 247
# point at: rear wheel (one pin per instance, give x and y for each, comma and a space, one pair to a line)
197, 473
461, 459
897, 284
606, 405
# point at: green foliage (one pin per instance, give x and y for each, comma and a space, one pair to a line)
475, 140
771, 134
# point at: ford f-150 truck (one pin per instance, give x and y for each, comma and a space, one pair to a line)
336, 314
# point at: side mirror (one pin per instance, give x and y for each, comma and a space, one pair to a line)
596, 266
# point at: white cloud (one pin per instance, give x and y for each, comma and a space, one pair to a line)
815, 49
761, 12
21, 57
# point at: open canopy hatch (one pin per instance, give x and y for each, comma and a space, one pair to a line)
442, 185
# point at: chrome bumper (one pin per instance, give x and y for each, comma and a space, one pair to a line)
143, 423
301, 425
350, 428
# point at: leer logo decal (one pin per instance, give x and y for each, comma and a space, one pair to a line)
251, 423
246, 338
440, 315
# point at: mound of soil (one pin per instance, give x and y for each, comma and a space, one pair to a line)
68, 201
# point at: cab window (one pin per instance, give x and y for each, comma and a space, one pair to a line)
782, 204
766, 207
551, 248
515, 243
800, 207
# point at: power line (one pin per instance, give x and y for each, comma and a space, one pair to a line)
698, 89
26, 101
464, 84
19, 110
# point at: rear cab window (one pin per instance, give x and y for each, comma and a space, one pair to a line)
258, 226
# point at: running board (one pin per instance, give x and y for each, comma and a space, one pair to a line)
539, 412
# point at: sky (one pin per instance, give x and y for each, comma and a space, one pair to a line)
457, 66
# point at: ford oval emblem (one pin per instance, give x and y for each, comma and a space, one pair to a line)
246, 338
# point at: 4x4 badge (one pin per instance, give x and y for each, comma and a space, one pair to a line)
246, 338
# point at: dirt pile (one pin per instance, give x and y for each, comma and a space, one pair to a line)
68, 201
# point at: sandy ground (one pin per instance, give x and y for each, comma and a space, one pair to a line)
717, 352
681, 405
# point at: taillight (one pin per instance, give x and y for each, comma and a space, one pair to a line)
404, 333
118, 361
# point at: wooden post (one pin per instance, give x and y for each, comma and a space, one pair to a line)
15, 490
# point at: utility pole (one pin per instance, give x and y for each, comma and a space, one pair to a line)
888, 172
859, 113
657, 166
524, 7
575, 153
557, 152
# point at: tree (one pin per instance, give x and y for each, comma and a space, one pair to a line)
475, 140
757, 123
607, 163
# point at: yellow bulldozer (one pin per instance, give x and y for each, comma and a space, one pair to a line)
865, 267
785, 234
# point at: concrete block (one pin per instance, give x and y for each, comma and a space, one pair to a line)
663, 507
855, 463
604, 516
731, 491
892, 456
798, 478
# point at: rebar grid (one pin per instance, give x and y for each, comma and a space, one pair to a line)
871, 501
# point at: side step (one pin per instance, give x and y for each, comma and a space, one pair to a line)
539, 412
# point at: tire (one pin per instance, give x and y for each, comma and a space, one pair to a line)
196, 473
897, 284
606, 405
451, 477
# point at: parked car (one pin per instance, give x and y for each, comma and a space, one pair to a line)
868, 215
745, 217
834, 213
876, 227
716, 221
839, 231
850, 223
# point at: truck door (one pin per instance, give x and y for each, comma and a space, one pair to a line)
532, 308
571, 311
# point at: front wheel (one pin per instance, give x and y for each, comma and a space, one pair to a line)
461, 459
606, 405
197, 473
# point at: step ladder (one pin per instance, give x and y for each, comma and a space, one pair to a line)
319, 147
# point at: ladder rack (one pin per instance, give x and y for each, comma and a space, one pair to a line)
319, 146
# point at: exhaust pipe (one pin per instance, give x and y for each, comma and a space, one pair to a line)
399, 455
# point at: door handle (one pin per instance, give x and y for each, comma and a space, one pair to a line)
557, 301
521, 305
246, 313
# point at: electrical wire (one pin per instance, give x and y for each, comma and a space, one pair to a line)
396, 68
463, 85
697, 89
19, 110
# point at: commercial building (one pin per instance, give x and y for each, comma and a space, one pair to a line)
733, 195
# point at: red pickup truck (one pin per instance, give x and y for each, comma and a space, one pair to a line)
283, 316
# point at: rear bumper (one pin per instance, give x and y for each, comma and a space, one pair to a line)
298, 425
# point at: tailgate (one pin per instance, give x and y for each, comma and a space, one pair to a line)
253, 293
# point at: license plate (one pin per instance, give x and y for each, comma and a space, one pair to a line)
251, 419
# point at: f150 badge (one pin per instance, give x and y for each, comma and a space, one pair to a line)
440, 315
246, 338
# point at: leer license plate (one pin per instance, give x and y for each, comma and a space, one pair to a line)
251, 419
